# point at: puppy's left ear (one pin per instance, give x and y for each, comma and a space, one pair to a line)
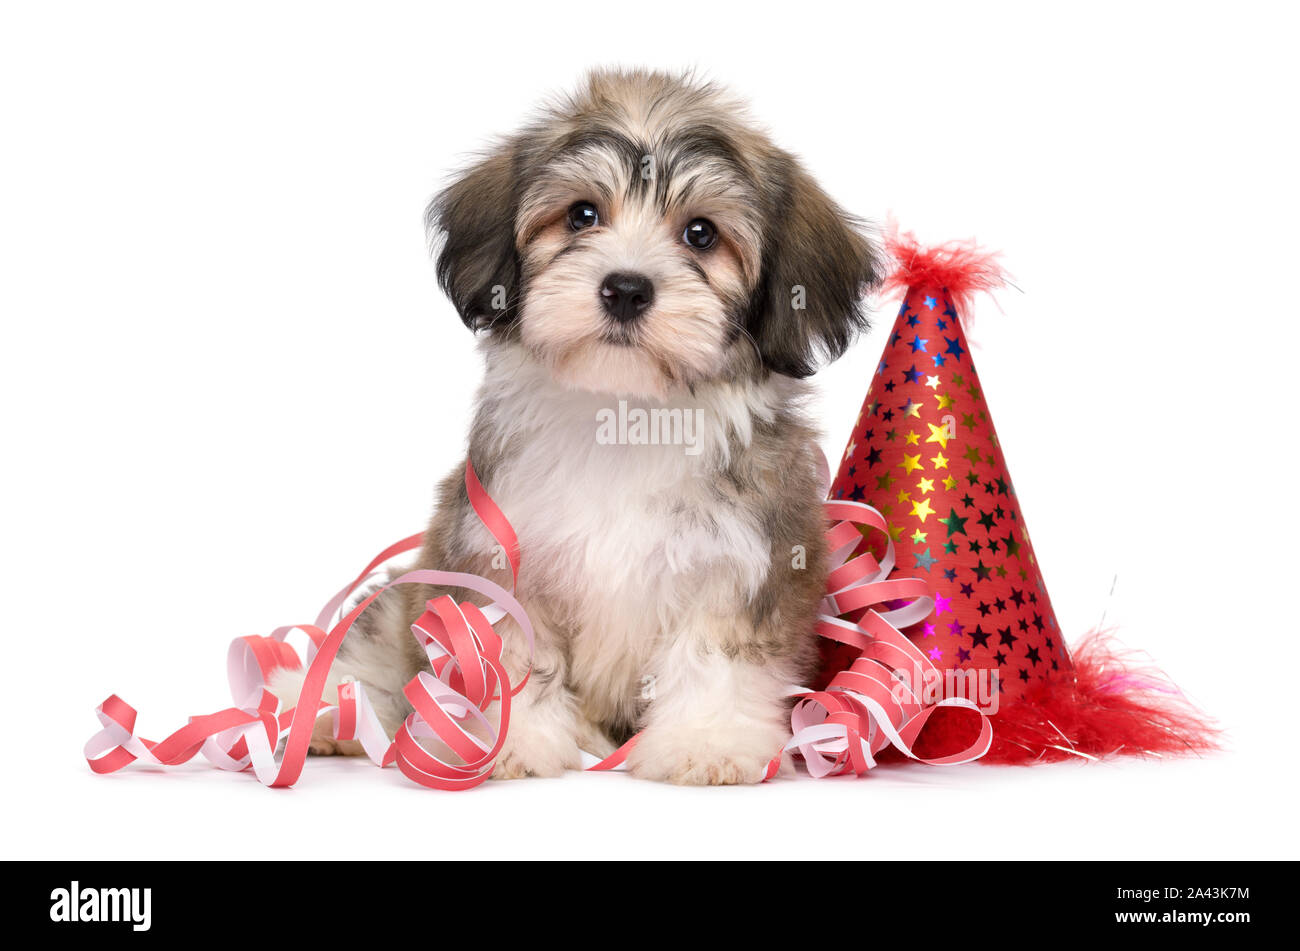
817, 267
473, 219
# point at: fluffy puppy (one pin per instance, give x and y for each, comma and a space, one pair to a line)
651, 279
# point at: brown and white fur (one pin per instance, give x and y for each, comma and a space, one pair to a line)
673, 587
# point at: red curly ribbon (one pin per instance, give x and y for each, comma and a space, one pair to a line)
450, 705
872, 704
836, 730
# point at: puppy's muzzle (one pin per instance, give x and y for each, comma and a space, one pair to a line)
626, 296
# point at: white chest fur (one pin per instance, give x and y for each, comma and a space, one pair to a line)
626, 533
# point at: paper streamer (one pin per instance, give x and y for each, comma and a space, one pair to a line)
450, 703
835, 730
879, 700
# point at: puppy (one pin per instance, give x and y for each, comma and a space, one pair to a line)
651, 279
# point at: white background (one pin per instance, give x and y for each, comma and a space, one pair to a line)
229, 378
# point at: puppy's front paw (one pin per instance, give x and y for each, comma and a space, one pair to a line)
529, 752
694, 757
326, 745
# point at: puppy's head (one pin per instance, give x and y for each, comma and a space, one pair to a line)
641, 235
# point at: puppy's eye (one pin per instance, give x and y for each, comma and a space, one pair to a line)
583, 215
700, 234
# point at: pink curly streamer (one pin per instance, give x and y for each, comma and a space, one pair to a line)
464, 653
836, 730
869, 705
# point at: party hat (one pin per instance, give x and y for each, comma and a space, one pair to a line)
925, 453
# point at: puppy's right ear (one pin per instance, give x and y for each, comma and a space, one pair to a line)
473, 221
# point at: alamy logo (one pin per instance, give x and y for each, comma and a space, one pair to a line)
650, 427
102, 904
976, 684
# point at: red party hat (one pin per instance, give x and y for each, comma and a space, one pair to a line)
924, 452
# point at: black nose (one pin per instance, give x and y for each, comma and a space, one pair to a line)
626, 296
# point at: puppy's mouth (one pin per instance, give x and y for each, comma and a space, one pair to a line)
619, 335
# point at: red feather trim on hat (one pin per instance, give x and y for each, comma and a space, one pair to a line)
1111, 706
962, 268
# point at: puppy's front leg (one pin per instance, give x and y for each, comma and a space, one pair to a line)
717, 716
545, 726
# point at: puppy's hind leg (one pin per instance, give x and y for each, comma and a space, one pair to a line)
381, 653
287, 686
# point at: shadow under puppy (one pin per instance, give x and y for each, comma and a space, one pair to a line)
651, 278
